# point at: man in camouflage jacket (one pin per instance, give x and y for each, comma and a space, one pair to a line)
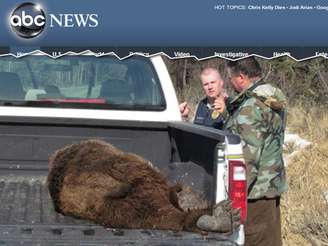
257, 114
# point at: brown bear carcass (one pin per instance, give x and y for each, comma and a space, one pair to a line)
94, 180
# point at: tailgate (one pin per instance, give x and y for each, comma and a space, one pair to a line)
27, 217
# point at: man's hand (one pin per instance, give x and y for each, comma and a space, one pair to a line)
219, 104
184, 110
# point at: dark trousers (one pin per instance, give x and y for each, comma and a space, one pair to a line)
263, 225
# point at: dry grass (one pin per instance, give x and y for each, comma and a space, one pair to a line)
304, 208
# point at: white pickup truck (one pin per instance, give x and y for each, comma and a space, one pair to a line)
47, 103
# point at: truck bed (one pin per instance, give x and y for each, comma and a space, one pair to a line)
27, 217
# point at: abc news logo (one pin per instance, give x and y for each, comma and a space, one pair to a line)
28, 20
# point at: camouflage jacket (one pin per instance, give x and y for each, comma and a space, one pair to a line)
258, 115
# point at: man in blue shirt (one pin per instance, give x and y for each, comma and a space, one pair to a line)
209, 110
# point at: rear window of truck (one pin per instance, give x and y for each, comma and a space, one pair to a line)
80, 82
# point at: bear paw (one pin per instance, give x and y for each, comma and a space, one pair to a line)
224, 218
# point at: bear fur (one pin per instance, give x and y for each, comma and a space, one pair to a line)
94, 180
